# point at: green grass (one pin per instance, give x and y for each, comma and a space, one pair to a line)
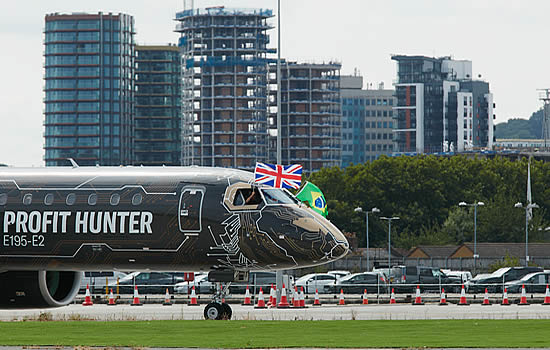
263, 334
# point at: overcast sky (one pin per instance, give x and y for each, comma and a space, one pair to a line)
506, 40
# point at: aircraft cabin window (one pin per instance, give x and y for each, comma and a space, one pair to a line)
27, 199
137, 198
71, 199
277, 196
48, 199
115, 199
3, 198
92, 199
247, 196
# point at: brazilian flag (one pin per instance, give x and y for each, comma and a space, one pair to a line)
314, 197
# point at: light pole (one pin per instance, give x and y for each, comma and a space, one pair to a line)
373, 210
389, 240
528, 209
475, 205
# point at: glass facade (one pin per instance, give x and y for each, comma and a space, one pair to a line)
89, 88
157, 129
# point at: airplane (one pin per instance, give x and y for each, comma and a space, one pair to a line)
57, 222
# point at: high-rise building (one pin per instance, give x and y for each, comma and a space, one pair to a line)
224, 98
157, 122
439, 107
367, 121
89, 75
310, 114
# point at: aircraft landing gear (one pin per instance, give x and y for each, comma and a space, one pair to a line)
218, 310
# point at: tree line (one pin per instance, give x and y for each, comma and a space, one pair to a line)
424, 192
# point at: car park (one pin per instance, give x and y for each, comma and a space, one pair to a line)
461, 276
201, 284
534, 282
98, 281
150, 282
315, 282
494, 281
429, 278
257, 279
357, 283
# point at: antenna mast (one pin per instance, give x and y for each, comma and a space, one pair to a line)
544, 96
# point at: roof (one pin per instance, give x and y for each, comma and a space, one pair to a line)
434, 251
512, 249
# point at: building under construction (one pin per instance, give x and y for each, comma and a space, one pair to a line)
224, 88
310, 114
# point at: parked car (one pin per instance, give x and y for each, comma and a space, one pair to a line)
201, 284
494, 281
534, 282
357, 283
429, 278
150, 282
315, 281
339, 273
98, 280
259, 279
462, 276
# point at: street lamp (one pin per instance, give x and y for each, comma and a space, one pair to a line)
389, 239
527, 208
373, 210
475, 205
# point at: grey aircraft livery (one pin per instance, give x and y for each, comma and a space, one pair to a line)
57, 222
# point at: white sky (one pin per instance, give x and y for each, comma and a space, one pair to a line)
506, 40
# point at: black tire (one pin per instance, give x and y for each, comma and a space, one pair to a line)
213, 311
226, 312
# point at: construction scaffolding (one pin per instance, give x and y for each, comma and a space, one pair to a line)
544, 96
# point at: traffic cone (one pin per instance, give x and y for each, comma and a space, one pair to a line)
302, 298
136, 301
295, 299
546, 297
463, 300
261, 302
505, 297
111, 299
523, 298
272, 297
316, 302
247, 300
365, 298
418, 298
194, 301
392, 297
167, 299
283, 303
87, 298
486, 298
341, 301
443, 300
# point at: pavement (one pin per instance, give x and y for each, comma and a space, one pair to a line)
102, 312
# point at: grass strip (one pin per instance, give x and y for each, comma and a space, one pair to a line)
269, 334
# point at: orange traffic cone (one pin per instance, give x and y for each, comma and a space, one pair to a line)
443, 300
523, 298
295, 298
463, 300
486, 298
546, 297
316, 302
261, 302
136, 301
341, 301
302, 298
392, 297
167, 299
283, 303
418, 298
272, 297
111, 299
194, 301
505, 297
87, 298
247, 300
365, 298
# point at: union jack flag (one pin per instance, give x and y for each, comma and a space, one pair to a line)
278, 176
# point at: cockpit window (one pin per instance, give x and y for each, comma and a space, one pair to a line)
277, 196
247, 196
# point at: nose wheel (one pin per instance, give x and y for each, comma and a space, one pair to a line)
218, 310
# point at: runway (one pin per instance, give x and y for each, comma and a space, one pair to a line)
102, 312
